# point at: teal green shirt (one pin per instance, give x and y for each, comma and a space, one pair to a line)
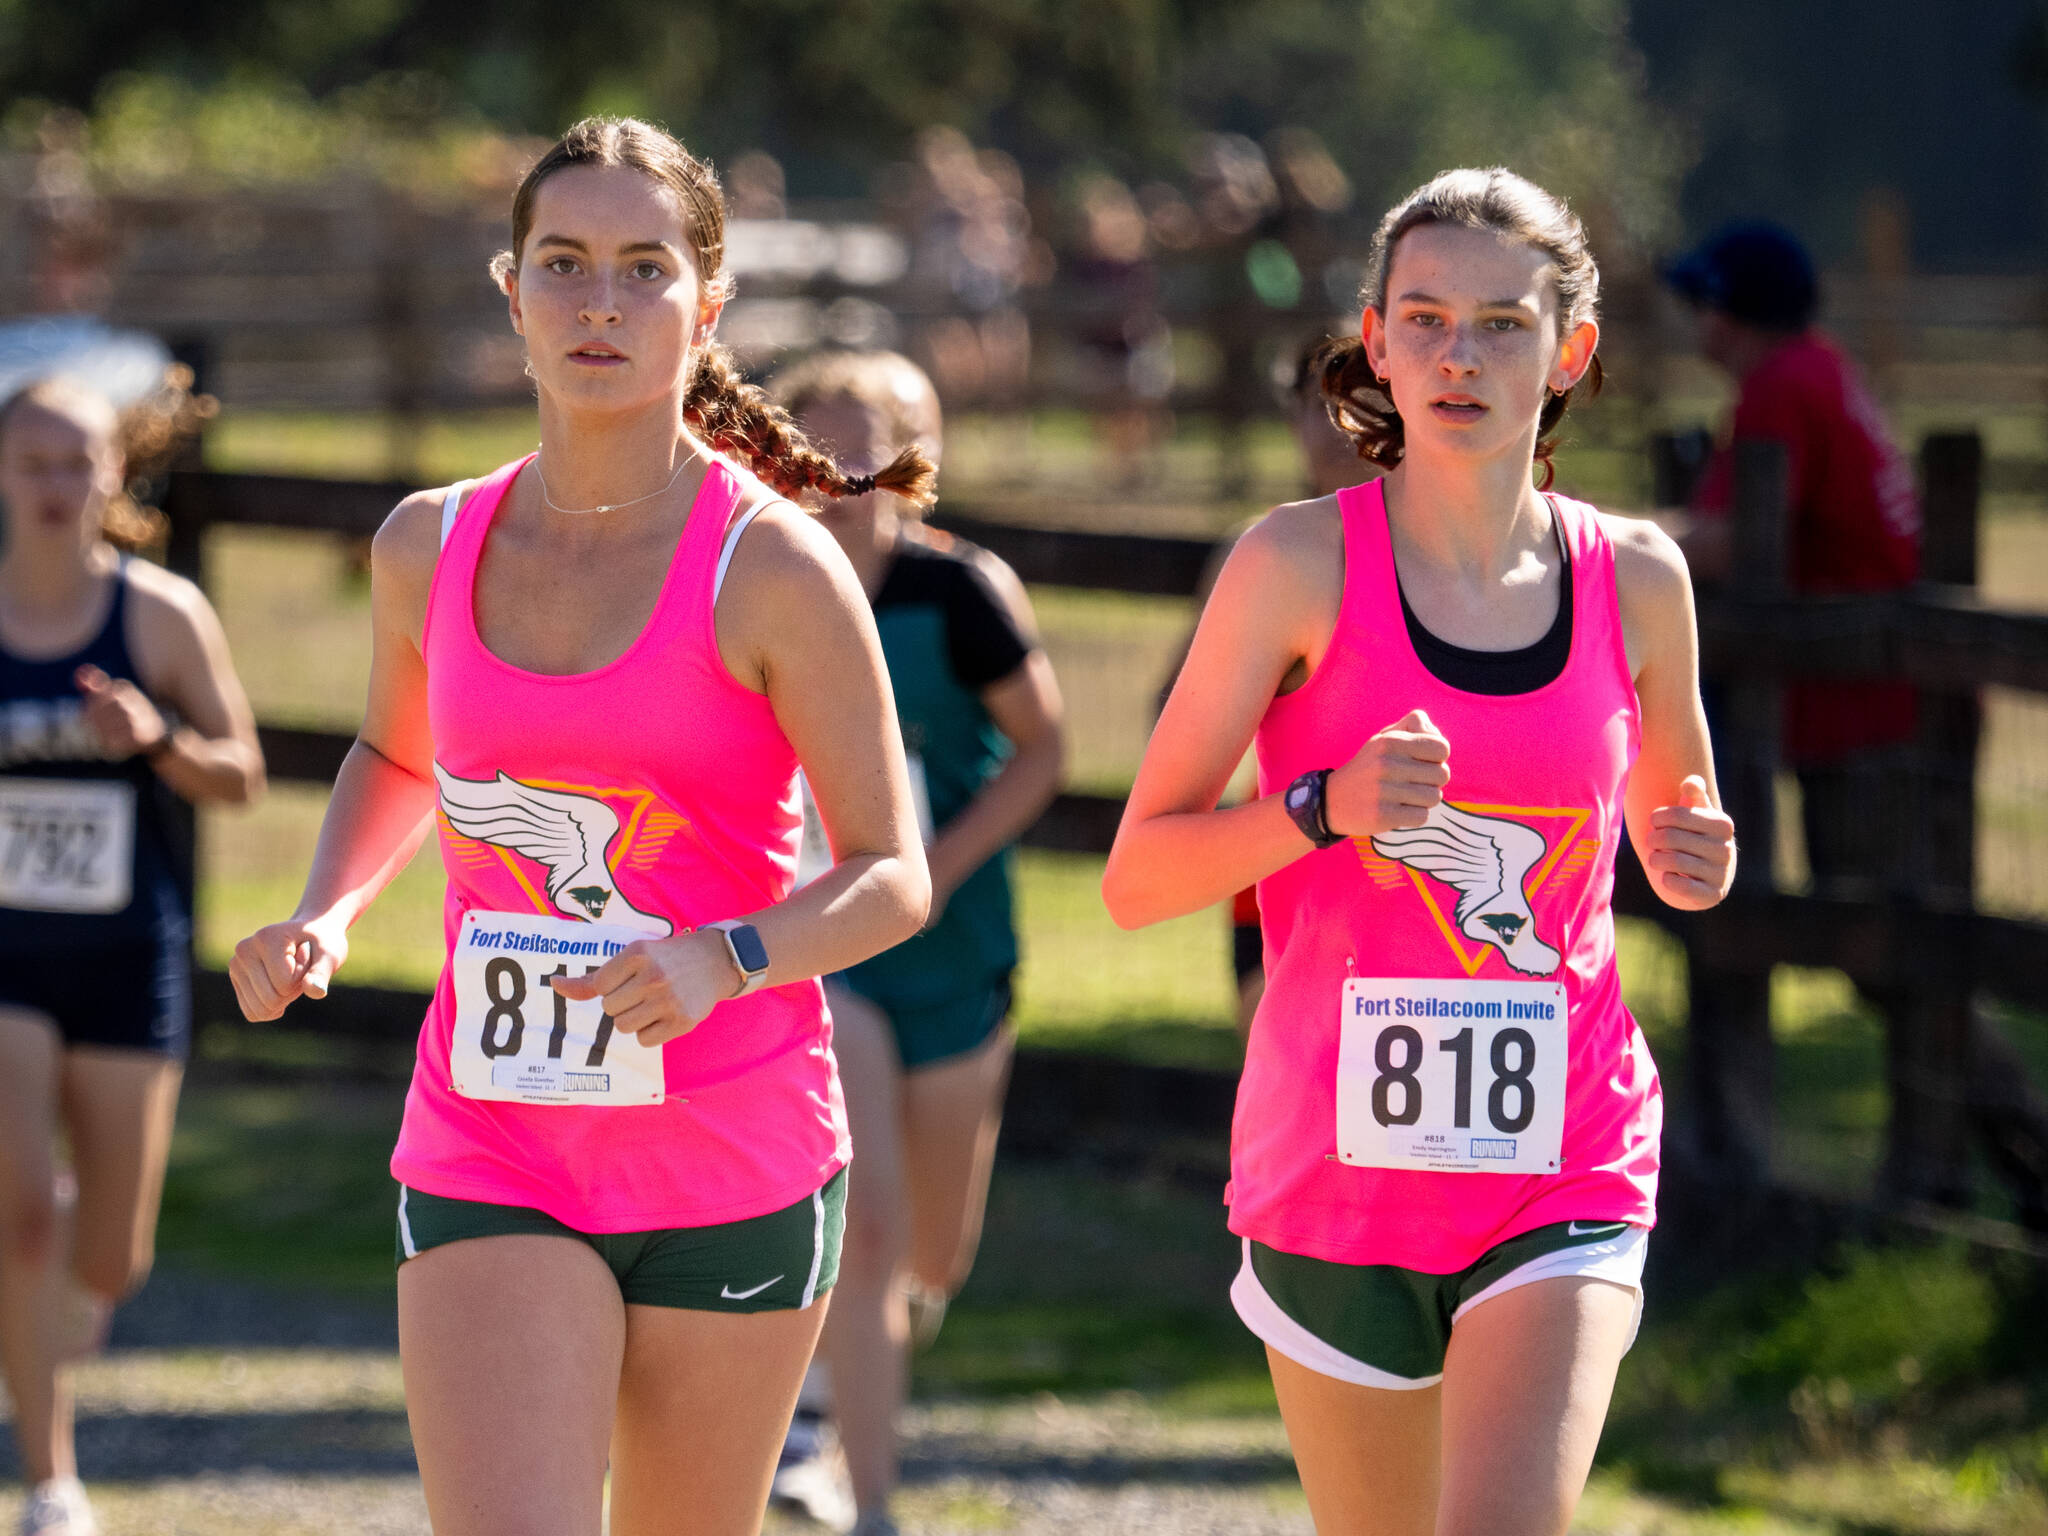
946, 636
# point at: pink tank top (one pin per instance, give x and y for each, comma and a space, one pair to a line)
699, 781
1555, 762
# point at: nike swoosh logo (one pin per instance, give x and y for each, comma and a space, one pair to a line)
1597, 1229
732, 1295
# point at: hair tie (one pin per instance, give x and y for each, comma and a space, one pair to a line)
860, 485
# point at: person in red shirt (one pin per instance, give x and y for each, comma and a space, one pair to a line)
1854, 526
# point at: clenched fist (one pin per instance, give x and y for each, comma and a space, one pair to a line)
119, 713
1392, 782
1692, 849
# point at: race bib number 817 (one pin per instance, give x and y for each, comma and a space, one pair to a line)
1452, 1076
519, 1040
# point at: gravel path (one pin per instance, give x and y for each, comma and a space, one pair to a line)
228, 1410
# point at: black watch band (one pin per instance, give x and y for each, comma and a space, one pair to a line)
1304, 802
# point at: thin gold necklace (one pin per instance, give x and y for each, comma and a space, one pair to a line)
610, 506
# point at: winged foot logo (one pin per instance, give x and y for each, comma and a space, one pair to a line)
1486, 860
568, 834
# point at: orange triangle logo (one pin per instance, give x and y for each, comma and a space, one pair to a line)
1569, 821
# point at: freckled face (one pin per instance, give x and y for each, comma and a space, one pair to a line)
1468, 341
607, 292
57, 470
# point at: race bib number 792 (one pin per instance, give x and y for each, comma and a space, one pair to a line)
519, 1040
1452, 1076
66, 845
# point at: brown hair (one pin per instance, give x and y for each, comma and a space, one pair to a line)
1496, 199
731, 415
150, 435
887, 383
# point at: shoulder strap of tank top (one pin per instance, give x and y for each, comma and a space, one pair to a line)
117, 610
451, 504
732, 541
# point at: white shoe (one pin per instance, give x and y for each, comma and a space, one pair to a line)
811, 1475
58, 1508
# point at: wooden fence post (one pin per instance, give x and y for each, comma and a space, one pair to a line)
1928, 1030
408, 357
1730, 1075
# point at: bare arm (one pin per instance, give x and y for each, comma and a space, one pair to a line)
1026, 708
212, 754
1672, 806
383, 799
809, 634
1270, 618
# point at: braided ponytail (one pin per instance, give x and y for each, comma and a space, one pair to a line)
741, 419
732, 416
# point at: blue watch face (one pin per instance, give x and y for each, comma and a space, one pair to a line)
747, 945
1298, 795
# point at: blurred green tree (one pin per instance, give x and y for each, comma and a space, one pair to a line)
1398, 88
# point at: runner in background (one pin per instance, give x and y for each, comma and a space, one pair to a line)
922, 1029
621, 1166
116, 694
1330, 461
1444, 1158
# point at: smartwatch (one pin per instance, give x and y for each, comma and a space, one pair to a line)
749, 954
1304, 802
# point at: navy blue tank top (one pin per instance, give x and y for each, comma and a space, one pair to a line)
46, 745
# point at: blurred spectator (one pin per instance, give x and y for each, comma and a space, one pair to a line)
973, 251
1244, 273
1314, 193
1854, 526
1126, 344
69, 228
71, 255
755, 187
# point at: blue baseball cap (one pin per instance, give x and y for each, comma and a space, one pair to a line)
1756, 272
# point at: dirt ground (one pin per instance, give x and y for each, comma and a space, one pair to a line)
231, 1410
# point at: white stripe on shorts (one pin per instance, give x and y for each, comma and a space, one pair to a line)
1262, 1314
1619, 1259
1616, 1259
817, 1247
405, 1225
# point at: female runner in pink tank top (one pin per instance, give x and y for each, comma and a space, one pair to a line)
1460, 690
595, 673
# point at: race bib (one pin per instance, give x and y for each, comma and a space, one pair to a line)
66, 845
1452, 1076
519, 1040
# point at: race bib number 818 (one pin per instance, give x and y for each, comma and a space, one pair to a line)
1452, 1076
519, 1040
